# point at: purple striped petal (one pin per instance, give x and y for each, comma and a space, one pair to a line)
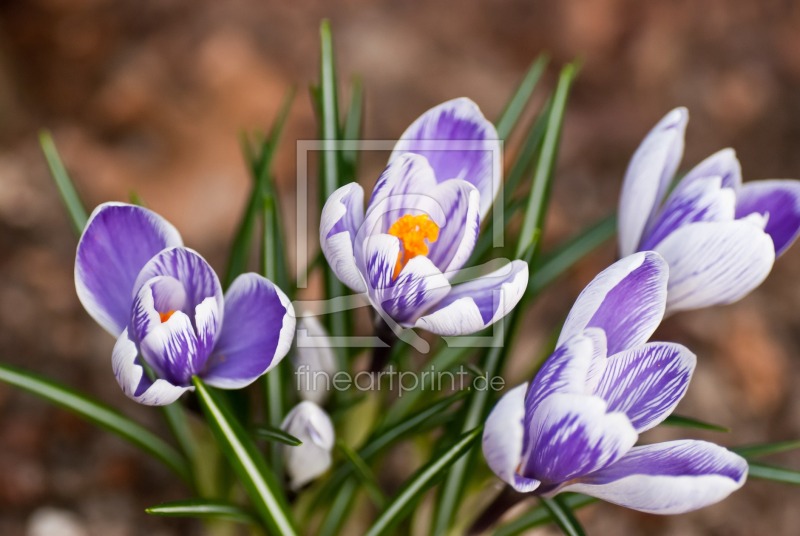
117, 242
647, 179
565, 371
341, 219
723, 164
458, 230
170, 349
160, 295
668, 478
502, 439
626, 301
471, 306
779, 200
257, 333
714, 263
703, 199
187, 266
134, 382
473, 153
646, 383
572, 435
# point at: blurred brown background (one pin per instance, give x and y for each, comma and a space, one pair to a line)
149, 95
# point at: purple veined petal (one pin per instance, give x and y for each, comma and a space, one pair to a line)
626, 301
703, 199
780, 201
471, 306
207, 325
648, 176
458, 232
195, 274
572, 435
117, 242
160, 295
418, 287
134, 382
715, 263
257, 333
674, 477
502, 439
170, 349
341, 219
565, 371
310, 424
472, 154
723, 164
646, 383
406, 175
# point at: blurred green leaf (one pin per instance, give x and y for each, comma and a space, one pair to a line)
351, 132
689, 422
259, 163
65, 185
766, 449
561, 513
516, 105
340, 507
553, 265
329, 109
260, 484
99, 414
539, 515
776, 474
420, 482
270, 433
364, 474
203, 509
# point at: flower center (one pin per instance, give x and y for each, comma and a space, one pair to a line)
166, 316
413, 231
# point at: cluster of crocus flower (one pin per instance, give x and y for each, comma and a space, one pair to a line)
575, 426
165, 305
421, 225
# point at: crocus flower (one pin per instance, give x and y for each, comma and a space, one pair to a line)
575, 426
314, 360
310, 424
421, 225
165, 306
720, 237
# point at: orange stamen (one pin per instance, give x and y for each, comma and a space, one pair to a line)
413, 231
165, 316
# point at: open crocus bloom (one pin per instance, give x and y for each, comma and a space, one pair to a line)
720, 237
574, 428
421, 225
165, 305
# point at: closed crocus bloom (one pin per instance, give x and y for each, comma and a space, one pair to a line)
314, 360
310, 424
575, 427
165, 306
720, 237
421, 225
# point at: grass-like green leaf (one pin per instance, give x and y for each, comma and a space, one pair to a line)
689, 422
66, 188
351, 131
561, 513
203, 509
259, 162
516, 105
259, 483
542, 179
776, 474
329, 109
270, 433
340, 507
99, 414
539, 515
554, 264
364, 474
420, 482
766, 449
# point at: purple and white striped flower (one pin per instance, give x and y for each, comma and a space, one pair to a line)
421, 225
310, 424
719, 236
165, 306
574, 428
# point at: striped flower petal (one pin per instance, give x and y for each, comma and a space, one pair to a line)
342, 217
779, 200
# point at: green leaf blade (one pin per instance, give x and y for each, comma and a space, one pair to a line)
66, 187
271, 433
774, 473
203, 509
766, 449
539, 515
689, 422
516, 105
563, 516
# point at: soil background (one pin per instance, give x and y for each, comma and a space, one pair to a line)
150, 95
